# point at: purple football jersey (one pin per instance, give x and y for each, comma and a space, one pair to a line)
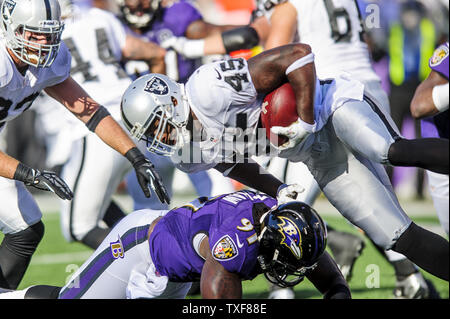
228, 222
174, 21
438, 125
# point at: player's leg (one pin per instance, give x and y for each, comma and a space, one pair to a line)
93, 173
20, 222
122, 257
360, 190
358, 122
439, 190
344, 246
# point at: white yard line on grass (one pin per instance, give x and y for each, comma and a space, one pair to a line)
60, 258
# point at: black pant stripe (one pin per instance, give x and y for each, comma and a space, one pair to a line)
75, 187
381, 115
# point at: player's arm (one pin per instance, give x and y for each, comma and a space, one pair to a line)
252, 175
202, 38
98, 120
328, 279
8, 165
293, 63
48, 181
78, 101
138, 49
283, 25
431, 96
216, 282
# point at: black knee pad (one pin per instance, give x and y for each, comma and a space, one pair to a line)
25, 242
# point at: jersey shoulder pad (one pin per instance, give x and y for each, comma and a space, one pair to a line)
60, 69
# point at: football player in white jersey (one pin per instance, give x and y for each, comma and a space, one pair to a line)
335, 31
199, 130
97, 42
33, 59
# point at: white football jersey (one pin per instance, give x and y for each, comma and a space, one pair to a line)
18, 91
334, 30
223, 98
95, 38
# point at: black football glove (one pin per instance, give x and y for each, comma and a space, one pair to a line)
45, 180
147, 175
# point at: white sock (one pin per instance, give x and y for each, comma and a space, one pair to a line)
13, 294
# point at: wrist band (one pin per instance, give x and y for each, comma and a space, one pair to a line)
240, 38
300, 63
135, 156
194, 48
99, 115
24, 173
441, 97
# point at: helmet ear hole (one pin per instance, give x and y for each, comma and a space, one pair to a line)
174, 101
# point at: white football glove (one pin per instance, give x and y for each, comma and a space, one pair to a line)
191, 49
296, 133
288, 193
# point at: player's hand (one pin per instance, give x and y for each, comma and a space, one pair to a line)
45, 180
296, 133
287, 193
147, 175
191, 49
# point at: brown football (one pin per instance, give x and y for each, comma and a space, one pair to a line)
279, 108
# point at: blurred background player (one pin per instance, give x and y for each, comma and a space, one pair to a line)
430, 103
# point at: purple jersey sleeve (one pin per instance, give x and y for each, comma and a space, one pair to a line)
438, 125
439, 60
179, 16
232, 237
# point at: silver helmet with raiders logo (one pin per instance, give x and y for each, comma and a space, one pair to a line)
154, 109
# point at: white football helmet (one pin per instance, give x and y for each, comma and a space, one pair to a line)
139, 13
155, 109
267, 5
42, 17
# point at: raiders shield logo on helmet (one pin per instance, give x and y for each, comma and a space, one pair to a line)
10, 5
157, 86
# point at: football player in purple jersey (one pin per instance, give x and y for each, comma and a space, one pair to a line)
180, 26
218, 241
430, 103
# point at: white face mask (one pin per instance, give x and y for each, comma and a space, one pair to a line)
24, 24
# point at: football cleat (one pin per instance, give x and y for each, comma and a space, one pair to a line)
415, 287
346, 248
281, 293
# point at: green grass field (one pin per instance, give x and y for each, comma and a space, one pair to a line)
373, 278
